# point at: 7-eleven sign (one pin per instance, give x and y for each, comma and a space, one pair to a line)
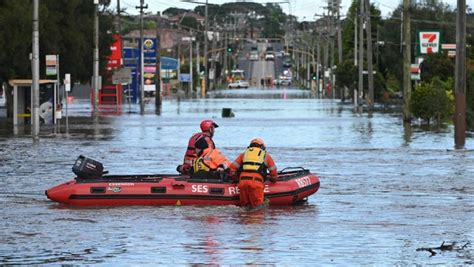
429, 42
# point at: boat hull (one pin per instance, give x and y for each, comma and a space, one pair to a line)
292, 187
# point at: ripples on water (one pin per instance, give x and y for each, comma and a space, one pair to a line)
383, 194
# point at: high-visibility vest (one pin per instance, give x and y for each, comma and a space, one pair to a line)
254, 160
209, 161
190, 152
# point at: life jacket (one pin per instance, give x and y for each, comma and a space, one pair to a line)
209, 161
190, 153
254, 160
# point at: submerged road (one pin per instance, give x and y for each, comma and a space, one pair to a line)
386, 190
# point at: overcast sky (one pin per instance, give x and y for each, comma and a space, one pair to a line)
303, 9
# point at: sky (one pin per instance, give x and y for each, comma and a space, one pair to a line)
303, 9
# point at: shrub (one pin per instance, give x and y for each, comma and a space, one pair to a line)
433, 100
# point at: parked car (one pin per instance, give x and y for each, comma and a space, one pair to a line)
238, 84
285, 82
287, 63
254, 56
269, 56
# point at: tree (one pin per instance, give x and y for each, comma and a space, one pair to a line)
65, 27
433, 100
437, 65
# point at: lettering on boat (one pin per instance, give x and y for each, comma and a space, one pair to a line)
115, 189
266, 189
303, 181
121, 184
234, 190
199, 188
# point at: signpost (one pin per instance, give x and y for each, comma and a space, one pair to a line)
415, 72
122, 76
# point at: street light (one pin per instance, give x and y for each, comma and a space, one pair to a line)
206, 27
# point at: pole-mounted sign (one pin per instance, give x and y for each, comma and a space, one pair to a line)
429, 42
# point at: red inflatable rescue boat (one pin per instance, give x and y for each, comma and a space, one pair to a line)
91, 188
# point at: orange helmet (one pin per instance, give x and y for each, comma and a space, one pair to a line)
206, 125
257, 141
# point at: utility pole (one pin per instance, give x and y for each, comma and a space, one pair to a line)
224, 69
95, 76
35, 71
206, 28
406, 60
370, 68
142, 88
361, 53
190, 83
158, 66
213, 55
198, 63
339, 33
356, 30
119, 29
460, 77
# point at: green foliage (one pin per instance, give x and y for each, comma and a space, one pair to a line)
347, 75
425, 15
433, 100
470, 100
393, 84
190, 23
173, 11
268, 18
66, 29
437, 65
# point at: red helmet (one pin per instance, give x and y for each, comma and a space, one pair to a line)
258, 141
206, 125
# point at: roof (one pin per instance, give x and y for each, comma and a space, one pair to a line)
28, 82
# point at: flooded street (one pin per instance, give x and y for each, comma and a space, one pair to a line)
385, 190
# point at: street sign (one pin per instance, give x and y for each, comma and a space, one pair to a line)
185, 77
51, 65
415, 72
448, 46
67, 82
187, 39
122, 76
168, 63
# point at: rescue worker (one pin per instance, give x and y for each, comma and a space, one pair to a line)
252, 166
207, 132
210, 163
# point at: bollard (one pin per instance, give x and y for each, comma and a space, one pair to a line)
227, 113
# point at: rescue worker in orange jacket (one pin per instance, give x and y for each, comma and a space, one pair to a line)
210, 163
253, 165
207, 132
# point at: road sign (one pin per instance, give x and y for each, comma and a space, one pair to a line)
67, 82
185, 77
51, 65
415, 72
122, 76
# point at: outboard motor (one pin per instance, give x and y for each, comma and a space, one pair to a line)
87, 168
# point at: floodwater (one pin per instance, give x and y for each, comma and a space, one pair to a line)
386, 190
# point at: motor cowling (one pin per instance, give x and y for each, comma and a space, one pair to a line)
87, 168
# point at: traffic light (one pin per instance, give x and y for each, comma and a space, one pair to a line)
230, 49
314, 76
